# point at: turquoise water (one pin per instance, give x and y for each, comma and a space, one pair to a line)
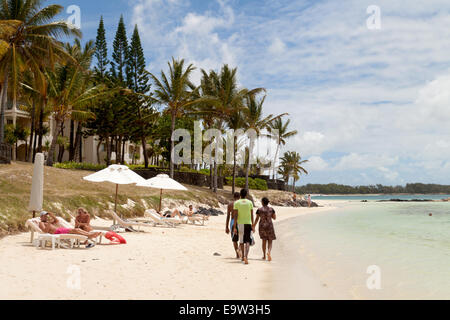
382, 197
411, 249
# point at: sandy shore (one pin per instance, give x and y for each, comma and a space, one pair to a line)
161, 263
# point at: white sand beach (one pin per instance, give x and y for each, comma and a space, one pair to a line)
161, 263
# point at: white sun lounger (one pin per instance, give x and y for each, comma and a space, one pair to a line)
128, 223
197, 219
170, 222
33, 226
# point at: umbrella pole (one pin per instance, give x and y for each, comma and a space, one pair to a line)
115, 202
34, 214
160, 201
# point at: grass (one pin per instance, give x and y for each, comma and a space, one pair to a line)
65, 191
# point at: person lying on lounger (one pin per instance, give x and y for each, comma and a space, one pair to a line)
173, 214
53, 227
83, 220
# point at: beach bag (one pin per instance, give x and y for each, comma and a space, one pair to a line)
252, 239
115, 238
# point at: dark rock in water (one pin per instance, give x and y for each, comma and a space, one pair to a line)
402, 200
298, 203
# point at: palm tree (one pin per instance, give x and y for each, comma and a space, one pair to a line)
28, 42
228, 103
70, 91
280, 134
292, 166
254, 120
178, 93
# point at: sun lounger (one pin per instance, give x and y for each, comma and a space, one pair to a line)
197, 219
170, 222
127, 223
33, 226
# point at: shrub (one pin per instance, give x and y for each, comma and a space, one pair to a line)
255, 184
79, 166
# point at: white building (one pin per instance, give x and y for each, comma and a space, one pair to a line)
16, 116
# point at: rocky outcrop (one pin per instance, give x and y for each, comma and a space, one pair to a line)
292, 203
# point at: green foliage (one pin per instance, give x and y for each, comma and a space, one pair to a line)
120, 52
79, 166
101, 50
201, 171
334, 188
254, 184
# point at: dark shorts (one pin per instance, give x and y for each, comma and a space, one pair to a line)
245, 233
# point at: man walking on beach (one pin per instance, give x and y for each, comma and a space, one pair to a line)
230, 225
243, 223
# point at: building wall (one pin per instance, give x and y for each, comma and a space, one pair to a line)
89, 145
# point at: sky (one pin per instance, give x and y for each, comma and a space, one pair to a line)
369, 98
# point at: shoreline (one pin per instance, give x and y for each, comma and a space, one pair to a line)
291, 278
161, 264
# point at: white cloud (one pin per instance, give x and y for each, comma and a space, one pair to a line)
380, 98
277, 47
316, 163
365, 161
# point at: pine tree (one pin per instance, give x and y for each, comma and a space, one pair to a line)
138, 81
138, 77
120, 53
101, 50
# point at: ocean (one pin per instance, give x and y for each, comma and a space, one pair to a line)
382, 197
376, 250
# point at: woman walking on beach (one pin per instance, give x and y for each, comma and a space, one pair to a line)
264, 216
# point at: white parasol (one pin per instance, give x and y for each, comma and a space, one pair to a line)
37, 185
116, 174
162, 182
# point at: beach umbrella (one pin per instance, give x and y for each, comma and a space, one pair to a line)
117, 174
162, 182
37, 185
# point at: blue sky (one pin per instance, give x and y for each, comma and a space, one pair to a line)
371, 106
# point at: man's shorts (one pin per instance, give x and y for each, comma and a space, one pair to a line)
245, 232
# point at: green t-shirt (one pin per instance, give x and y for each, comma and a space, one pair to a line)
244, 208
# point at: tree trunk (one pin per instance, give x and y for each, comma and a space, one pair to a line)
211, 182
72, 146
275, 161
144, 151
34, 144
216, 155
41, 127
76, 148
98, 150
30, 151
108, 151
53, 145
119, 150
61, 148
233, 188
247, 173
4, 101
123, 151
172, 145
